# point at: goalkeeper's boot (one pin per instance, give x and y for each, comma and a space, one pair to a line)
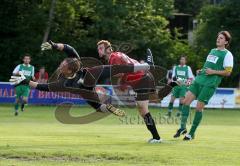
115, 111
154, 141
16, 113
188, 137
149, 57
180, 132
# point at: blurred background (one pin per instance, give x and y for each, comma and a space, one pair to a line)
171, 28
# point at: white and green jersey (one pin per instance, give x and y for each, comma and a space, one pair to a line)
184, 72
216, 60
28, 70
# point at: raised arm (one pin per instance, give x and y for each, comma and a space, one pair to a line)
69, 50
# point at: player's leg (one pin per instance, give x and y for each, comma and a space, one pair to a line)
24, 101
94, 74
181, 99
143, 88
190, 96
203, 98
16, 105
92, 98
175, 94
148, 119
196, 121
182, 94
26, 92
170, 106
17, 100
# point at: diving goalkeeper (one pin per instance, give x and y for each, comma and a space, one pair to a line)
75, 79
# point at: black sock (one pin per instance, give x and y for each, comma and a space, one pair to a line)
22, 106
151, 125
95, 105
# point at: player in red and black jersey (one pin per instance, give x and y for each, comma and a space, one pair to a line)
142, 83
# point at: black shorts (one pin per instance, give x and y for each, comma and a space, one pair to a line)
144, 87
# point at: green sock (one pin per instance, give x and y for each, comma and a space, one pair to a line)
180, 107
16, 107
170, 107
185, 113
196, 121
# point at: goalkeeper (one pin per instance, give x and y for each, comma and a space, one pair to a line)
74, 78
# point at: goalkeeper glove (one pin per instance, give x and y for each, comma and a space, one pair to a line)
48, 45
17, 80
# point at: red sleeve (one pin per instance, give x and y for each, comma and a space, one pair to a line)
116, 59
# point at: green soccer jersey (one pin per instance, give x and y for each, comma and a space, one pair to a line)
28, 70
216, 60
182, 71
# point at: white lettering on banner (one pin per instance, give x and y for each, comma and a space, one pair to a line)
181, 73
223, 97
212, 58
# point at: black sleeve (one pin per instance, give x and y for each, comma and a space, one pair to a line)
106, 73
70, 51
95, 74
42, 87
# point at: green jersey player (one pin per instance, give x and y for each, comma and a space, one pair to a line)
219, 63
184, 72
22, 91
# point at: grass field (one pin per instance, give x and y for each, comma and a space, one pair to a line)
35, 137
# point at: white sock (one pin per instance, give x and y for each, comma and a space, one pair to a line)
143, 66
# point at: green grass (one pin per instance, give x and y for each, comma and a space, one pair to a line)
35, 137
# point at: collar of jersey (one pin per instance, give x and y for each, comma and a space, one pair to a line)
26, 65
182, 66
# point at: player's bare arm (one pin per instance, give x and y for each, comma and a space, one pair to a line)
226, 72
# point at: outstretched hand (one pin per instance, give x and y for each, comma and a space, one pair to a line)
16, 80
48, 45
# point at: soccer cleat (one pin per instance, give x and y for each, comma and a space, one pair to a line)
154, 141
180, 132
16, 113
188, 137
150, 58
115, 111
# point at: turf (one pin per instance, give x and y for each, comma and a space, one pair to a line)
35, 137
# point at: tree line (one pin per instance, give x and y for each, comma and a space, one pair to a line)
138, 24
